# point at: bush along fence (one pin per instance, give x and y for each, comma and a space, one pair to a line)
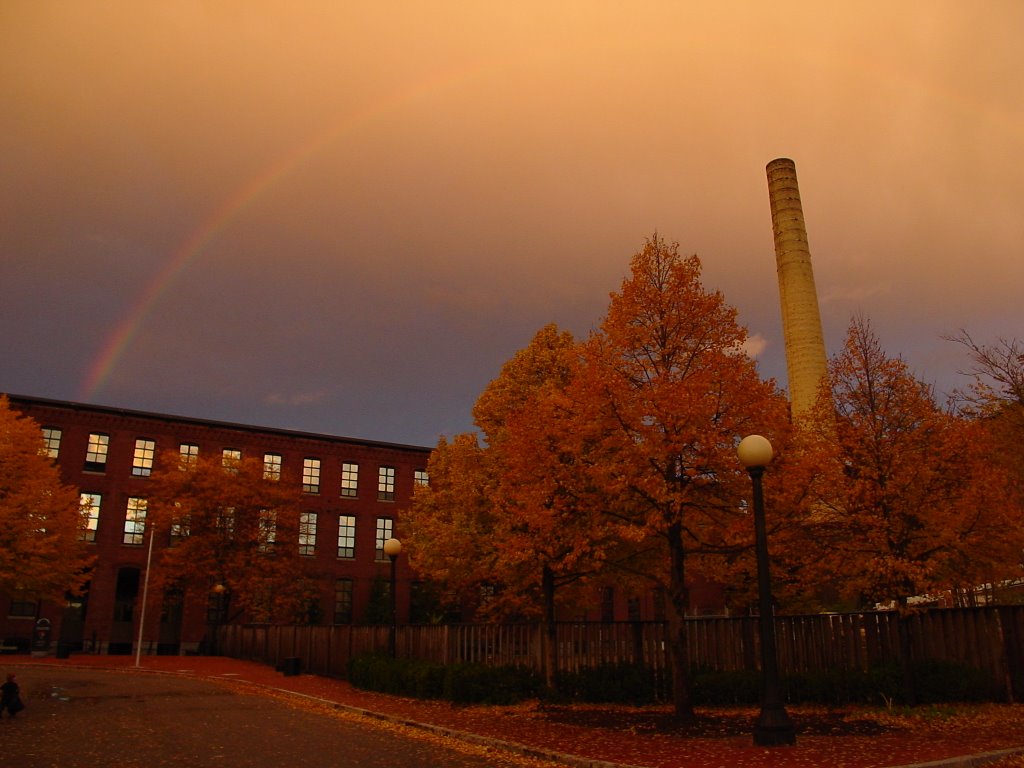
945, 654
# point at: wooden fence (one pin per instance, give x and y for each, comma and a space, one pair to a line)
986, 638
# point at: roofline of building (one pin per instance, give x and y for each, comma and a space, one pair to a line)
127, 412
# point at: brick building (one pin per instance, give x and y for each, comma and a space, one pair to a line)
355, 491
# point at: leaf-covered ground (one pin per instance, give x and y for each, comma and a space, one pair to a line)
649, 736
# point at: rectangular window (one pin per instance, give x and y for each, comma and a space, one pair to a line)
271, 466
22, 606
419, 477
307, 533
343, 601
230, 459
385, 528
96, 453
346, 536
91, 512
311, 475
349, 480
386, 484
225, 522
268, 529
51, 439
135, 521
188, 454
180, 524
142, 459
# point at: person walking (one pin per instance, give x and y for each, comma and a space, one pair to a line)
10, 696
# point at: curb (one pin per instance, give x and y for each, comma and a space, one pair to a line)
472, 738
967, 761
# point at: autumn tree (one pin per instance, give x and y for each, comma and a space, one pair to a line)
995, 396
234, 531
449, 528
909, 500
513, 502
42, 549
664, 395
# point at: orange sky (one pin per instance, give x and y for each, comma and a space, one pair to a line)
343, 217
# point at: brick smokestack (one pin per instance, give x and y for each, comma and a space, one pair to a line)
806, 362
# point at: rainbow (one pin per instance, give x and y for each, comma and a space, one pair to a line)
120, 339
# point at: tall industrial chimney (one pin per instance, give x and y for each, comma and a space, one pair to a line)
806, 362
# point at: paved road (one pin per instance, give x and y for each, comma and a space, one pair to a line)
81, 718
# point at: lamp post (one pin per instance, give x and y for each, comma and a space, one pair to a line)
773, 724
392, 547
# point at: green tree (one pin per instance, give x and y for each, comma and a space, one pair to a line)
664, 395
233, 530
42, 549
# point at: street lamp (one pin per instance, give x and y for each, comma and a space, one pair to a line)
773, 725
392, 547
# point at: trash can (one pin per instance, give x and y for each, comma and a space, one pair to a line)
291, 666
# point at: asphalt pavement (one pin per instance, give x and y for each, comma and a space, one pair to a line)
89, 718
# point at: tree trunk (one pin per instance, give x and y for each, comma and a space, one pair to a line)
678, 599
550, 637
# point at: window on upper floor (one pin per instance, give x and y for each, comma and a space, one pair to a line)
420, 477
90, 503
96, 452
346, 536
188, 455
385, 530
135, 520
230, 459
349, 480
386, 484
311, 475
142, 459
51, 439
271, 466
307, 533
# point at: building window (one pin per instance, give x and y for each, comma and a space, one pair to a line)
386, 484
51, 439
268, 529
385, 528
349, 480
225, 522
307, 533
135, 521
420, 478
142, 459
343, 601
311, 475
96, 453
188, 455
607, 604
22, 606
346, 536
90, 503
180, 524
271, 466
230, 459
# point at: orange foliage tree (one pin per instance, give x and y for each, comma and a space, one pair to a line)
42, 552
909, 501
234, 531
664, 395
509, 514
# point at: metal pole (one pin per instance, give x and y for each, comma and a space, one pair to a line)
392, 641
773, 725
145, 594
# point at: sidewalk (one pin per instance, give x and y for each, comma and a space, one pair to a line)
605, 736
